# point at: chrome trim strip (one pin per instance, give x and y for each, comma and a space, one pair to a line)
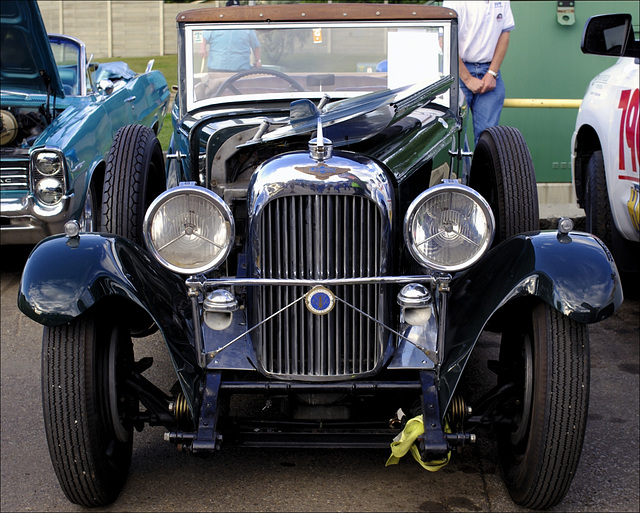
213, 354
284, 282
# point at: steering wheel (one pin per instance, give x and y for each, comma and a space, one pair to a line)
228, 84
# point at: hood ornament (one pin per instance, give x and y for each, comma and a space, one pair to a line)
320, 148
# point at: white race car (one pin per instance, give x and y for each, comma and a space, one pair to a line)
605, 147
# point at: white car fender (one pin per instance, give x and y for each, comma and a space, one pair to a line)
610, 107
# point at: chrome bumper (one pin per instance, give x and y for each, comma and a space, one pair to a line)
24, 222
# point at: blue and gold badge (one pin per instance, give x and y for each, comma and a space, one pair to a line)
320, 300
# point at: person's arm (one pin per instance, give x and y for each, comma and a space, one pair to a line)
254, 44
489, 81
473, 84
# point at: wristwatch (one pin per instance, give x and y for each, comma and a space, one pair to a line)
493, 73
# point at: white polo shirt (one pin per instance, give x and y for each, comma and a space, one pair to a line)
480, 24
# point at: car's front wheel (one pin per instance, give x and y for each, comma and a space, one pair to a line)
545, 358
600, 222
598, 212
88, 408
89, 218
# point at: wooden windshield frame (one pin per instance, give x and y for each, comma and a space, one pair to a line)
315, 12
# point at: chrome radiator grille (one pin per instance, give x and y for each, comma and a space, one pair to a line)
319, 237
14, 174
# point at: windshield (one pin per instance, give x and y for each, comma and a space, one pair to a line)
67, 54
248, 62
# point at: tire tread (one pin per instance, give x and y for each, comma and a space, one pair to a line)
567, 412
503, 159
541, 477
69, 417
124, 197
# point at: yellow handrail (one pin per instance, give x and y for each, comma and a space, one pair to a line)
537, 103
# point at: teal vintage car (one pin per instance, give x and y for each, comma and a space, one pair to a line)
60, 115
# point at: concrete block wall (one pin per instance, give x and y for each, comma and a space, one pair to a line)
119, 28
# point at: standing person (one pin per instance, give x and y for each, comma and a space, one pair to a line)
483, 39
230, 50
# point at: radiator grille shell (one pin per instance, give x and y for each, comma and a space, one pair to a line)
321, 236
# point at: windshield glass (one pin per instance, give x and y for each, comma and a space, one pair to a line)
67, 56
235, 62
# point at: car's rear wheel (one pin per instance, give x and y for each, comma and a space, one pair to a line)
545, 356
134, 177
88, 408
502, 171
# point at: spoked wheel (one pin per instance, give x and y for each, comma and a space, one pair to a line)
88, 409
229, 83
546, 357
502, 172
134, 177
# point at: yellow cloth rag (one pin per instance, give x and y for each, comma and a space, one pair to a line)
405, 441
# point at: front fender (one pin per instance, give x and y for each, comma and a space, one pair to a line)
574, 273
65, 277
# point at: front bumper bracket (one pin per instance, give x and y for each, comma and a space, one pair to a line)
208, 438
432, 444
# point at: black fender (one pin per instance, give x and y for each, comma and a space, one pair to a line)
573, 273
64, 278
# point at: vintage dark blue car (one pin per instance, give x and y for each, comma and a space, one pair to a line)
60, 115
327, 248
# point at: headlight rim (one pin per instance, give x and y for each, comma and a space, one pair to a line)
426, 195
197, 190
36, 176
38, 167
46, 186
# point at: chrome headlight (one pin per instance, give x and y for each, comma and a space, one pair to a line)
189, 229
448, 227
49, 190
48, 176
48, 163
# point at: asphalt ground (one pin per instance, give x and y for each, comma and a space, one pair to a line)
245, 479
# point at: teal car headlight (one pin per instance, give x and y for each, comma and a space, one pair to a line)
189, 229
48, 163
49, 191
48, 176
449, 227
